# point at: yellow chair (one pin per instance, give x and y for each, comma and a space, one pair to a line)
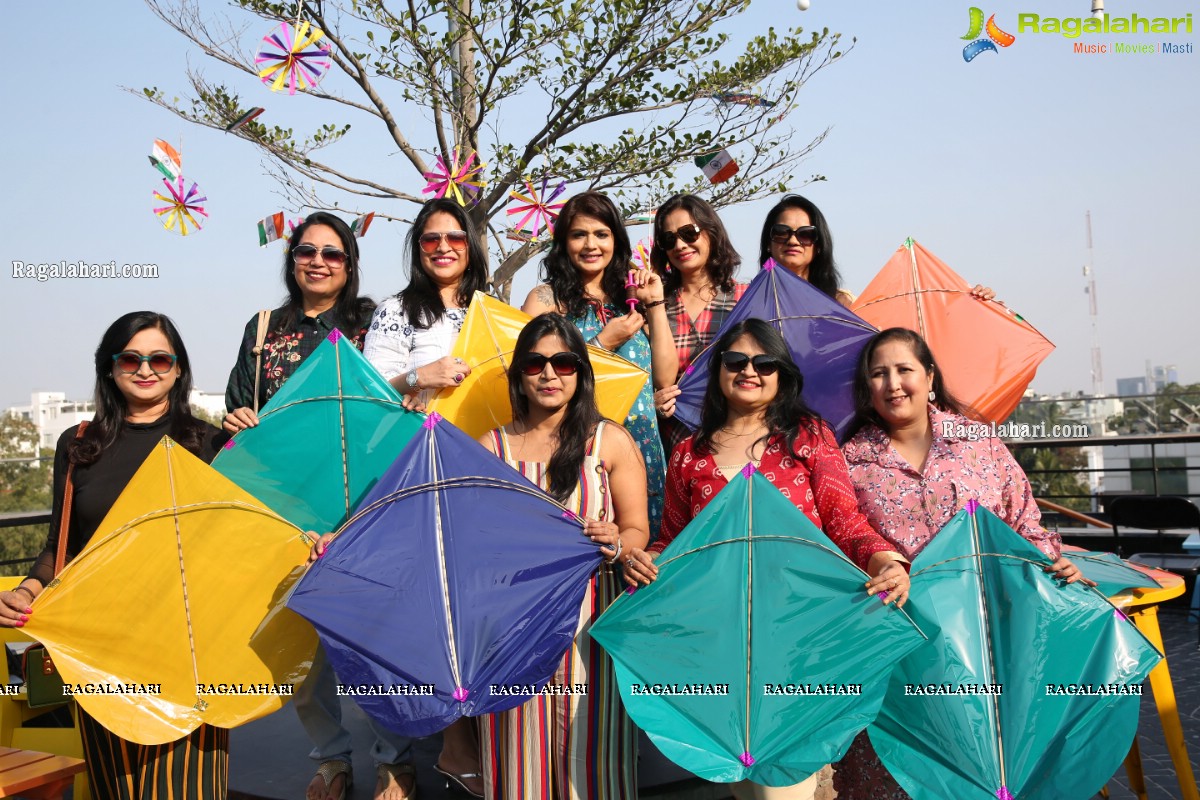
15, 713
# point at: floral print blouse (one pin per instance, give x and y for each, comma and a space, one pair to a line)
908, 507
817, 484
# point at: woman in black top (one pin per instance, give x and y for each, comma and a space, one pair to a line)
321, 272
143, 378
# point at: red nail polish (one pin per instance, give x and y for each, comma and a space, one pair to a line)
24, 618
19, 625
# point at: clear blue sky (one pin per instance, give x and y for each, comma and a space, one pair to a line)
990, 164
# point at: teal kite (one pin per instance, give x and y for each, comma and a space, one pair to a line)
1029, 687
757, 654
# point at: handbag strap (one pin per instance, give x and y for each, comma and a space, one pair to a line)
64, 522
264, 318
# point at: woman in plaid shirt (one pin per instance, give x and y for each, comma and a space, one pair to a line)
693, 254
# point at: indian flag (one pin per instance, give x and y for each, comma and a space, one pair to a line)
360, 225
166, 159
244, 118
270, 229
718, 166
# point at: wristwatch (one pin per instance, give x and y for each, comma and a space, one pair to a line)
411, 379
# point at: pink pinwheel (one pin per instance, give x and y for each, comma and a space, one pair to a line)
181, 208
297, 60
460, 180
539, 209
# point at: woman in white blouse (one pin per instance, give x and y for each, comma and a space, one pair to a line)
409, 342
411, 334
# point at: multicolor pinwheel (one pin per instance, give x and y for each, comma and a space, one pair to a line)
461, 180
757, 653
196, 616
182, 206
298, 60
1028, 689
538, 209
455, 576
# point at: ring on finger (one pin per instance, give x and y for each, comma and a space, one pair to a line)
458, 377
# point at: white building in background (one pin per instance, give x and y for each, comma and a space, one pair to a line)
51, 413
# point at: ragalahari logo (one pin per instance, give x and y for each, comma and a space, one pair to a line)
994, 34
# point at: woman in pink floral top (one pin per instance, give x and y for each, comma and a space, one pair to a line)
914, 464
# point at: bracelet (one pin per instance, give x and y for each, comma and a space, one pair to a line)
617, 555
26, 589
595, 341
653, 304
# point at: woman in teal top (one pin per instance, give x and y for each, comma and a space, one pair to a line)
588, 279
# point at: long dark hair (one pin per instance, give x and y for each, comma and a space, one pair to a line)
787, 411
723, 260
421, 299
561, 274
350, 312
822, 272
865, 413
111, 407
582, 415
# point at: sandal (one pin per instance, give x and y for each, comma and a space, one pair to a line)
459, 781
330, 770
391, 773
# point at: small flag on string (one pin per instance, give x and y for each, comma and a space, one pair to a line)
244, 118
166, 159
642, 217
360, 225
718, 166
270, 229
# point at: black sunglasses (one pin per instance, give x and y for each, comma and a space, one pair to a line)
735, 362
306, 253
130, 362
563, 363
689, 234
782, 234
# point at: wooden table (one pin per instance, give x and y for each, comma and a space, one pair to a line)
1141, 606
38, 775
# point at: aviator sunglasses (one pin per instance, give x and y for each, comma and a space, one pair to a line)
563, 363
782, 234
130, 362
689, 234
306, 253
735, 362
430, 241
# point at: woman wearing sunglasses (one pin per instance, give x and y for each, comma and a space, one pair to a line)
693, 254
589, 281
320, 271
143, 379
573, 746
797, 236
412, 333
913, 468
753, 413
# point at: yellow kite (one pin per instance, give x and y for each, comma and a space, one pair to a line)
486, 343
173, 614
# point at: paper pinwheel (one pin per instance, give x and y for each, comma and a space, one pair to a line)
987, 353
824, 338
458, 574
460, 180
297, 58
757, 654
201, 568
1003, 709
489, 333
322, 440
182, 207
536, 209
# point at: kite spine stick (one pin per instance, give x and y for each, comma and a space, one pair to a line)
187, 611
989, 657
491, 329
445, 582
916, 279
749, 615
337, 356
